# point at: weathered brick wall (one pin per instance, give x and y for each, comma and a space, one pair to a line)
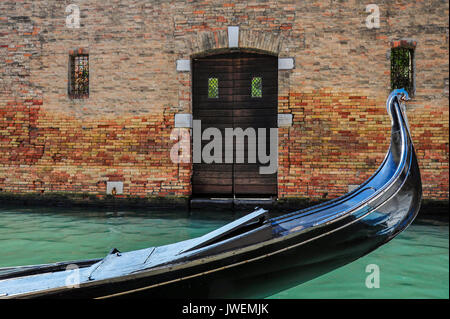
121, 133
336, 92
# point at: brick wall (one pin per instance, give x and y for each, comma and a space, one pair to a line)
336, 92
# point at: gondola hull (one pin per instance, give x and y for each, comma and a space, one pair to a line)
253, 257
266, 276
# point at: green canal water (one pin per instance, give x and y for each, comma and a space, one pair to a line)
413, 265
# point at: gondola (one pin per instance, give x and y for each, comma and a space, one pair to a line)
254, 256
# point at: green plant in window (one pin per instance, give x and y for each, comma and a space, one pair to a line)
402, 69
213, 88
80, 76
257, 87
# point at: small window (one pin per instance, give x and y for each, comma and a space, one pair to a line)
402, 69
79, 76
257, 87
213, 88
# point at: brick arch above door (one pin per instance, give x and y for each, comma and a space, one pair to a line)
226, 40
214, 42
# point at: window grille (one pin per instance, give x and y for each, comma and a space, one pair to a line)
79, 76
213, 88
402, 69
257, 87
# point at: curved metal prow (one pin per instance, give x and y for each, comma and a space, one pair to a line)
400, 96
397, 157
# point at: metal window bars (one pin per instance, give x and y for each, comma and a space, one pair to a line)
257, 87
79, 76
213, 88
402, 70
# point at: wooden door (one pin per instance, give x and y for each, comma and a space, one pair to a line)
236, 90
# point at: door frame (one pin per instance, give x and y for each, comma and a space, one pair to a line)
193, 106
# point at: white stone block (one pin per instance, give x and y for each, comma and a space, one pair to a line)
284, 120
285, 63
183, 65
233, 37
183, 120
117, 185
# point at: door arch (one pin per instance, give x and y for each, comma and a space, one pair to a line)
234, 90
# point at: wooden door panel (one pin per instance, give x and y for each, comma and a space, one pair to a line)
212, 190
255, 190
235, 107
